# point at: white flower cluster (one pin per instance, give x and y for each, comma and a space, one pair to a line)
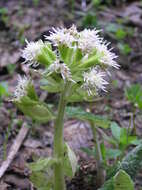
61, 68
107, 57
63, 36
31, 51
89, 43
21, 88
88, 40
94, 81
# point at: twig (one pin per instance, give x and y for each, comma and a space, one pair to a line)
14, 148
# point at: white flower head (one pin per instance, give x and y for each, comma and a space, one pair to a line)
63, 36
65, 72
94, 81
21, 88
54, 67
73, 31
61, 68
88, 40
31, 52
107, 56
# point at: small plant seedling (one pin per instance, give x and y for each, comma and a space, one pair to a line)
89, 20
4, 15
122, 138
124, 48
119, 139
36, 2
96, 3
11, 68
134, 95
120, 34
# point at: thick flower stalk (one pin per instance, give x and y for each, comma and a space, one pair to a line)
77, 69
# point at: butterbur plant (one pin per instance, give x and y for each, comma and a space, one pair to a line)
76, 68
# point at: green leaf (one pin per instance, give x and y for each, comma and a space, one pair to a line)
123, 138
32, 107
96, 3
92, 60
88, 151
11, 67
124, 48
42, 175
3, 89
89, 20
41, 181
120, 134
135, 141
111, 27
134, 95
78, 94
70, 56
122, 181
31, 93
120, 34
103, 150
109, 139
3, 11
51, 85
35, 110
134, 92
41, 164
116, 131
132, 162
26, 101
113, 153
70, 161
79, 113
109, 185
47, 56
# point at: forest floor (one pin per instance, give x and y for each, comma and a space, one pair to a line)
25, 19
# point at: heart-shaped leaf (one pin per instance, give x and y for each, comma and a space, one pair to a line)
122, 181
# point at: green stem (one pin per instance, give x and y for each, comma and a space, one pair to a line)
134, 126
99, 159
59, 181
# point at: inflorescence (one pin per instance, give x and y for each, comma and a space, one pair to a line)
88, 42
